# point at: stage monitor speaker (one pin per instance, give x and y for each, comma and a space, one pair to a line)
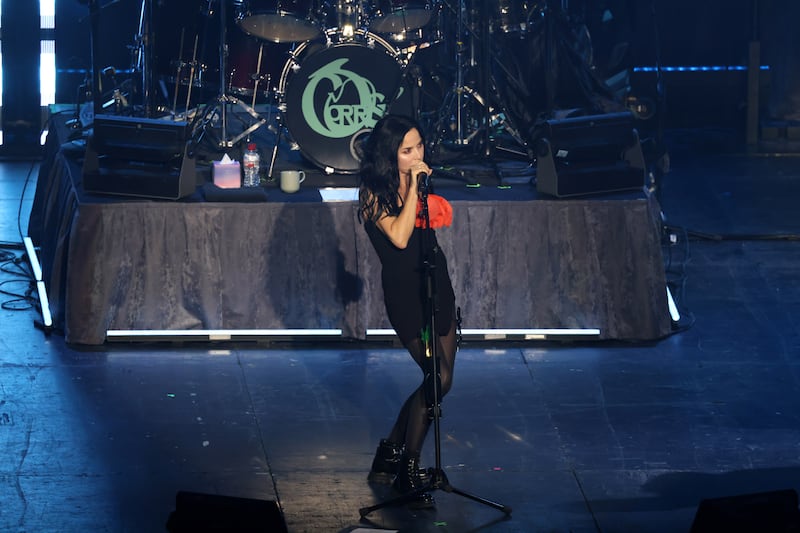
144, 157
589, 155
204, 513
751, 513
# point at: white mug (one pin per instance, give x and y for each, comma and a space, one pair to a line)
291, 180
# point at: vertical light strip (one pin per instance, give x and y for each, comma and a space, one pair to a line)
1, 68
47, 72
1, 71
1, 83
44, 303
47, 57
47, 14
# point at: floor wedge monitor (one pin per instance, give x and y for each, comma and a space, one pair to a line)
142, 157
589, 155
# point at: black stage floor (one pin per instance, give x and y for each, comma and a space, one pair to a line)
611, 437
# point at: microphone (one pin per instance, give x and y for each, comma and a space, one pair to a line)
423, 181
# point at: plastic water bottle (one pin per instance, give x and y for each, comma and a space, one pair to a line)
252, 164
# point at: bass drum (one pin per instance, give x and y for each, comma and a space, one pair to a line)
334, 94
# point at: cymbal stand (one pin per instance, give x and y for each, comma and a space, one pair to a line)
219, 108
97, 79
257, 77
179, 65
279, 116
454, 111
179, 68
472, 111
144, 56
192, 72
437, 479
485, 75
494, 115
459, 88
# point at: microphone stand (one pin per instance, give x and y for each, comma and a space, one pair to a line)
437, 479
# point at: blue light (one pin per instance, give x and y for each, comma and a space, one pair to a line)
699, 68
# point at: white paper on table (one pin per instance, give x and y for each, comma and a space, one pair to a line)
339, 194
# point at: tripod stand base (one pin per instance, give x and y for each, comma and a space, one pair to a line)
220, 108
438, 481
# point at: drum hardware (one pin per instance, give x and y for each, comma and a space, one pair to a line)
217, 111
94, 88
485, 77
453, 104
405, 36
350, 15
252, 68
84, 110
194, 74
398, 16
512, 16
469, 114
410, 40
144, 63
179, 67
144, 60
279, 21
257, 78
117, 98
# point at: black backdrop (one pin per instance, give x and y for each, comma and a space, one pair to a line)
682, 32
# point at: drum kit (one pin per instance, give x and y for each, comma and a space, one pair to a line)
329, 69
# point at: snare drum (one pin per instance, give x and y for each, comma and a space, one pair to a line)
397, 16
280, 21
334, 95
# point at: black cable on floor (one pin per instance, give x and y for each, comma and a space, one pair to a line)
18, 300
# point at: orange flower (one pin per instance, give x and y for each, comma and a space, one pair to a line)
440, 212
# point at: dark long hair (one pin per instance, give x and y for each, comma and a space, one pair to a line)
380, 177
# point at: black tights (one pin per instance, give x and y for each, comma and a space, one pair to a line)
413, 421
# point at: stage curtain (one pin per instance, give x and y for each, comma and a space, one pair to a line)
551, 264
130, 264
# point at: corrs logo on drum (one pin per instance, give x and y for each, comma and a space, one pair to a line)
352, 102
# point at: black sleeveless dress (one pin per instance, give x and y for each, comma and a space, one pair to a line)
402, 277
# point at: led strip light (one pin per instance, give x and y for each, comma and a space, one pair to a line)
510, 334
218, 334
44, 303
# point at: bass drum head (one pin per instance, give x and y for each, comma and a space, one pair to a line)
335, 96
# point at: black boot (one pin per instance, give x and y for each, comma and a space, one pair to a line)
386, 463
409, 480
